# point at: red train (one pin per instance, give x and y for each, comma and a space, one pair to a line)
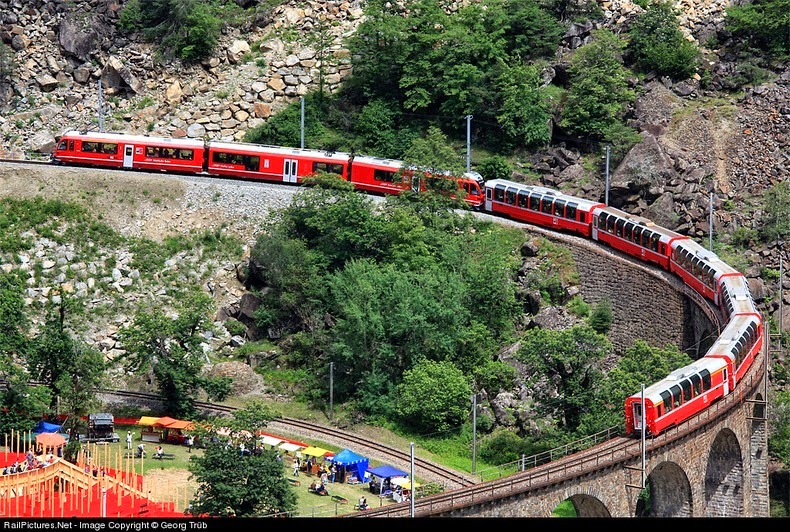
683, 393
248, 161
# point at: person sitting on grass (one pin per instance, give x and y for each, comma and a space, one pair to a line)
363, 503
159, 451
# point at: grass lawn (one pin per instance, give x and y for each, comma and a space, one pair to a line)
168, 480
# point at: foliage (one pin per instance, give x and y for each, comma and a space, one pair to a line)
657, 44
433, 397
601, 317
779, 442
567, 363
505, 446
640, 364
187, 29
495, 167
285, 127
598, 93
236, 484
523, 114
764, 24
776, 225
167, 347
578, 306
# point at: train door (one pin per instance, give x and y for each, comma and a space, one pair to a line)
489, 193
128, 155
594, 233
290, 170
637, 415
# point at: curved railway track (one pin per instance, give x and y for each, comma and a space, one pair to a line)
449, 478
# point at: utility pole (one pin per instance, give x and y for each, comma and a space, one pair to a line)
101, 111
710, 223
331, 389
606, 199
468, 143
474, 433
302, 145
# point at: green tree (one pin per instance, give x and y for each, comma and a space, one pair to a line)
167, 347
187, 29
69, 367
601, 316
640, 364
598, 92
236, 484
432, 155
434, 396
657, 44
779, 439
776, 224
524, 114
564, 369
764, 24
20, 403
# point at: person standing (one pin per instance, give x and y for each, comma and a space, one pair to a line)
129, 440
296, 467
190, 443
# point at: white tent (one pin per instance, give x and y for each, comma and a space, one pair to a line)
291, 447
270, 440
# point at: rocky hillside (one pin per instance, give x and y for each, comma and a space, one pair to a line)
696, 141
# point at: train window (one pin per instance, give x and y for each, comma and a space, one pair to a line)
62, 145
90, 147
610, 223
329, 168
628, 231
705, 375
655, 238
685, 385
619, 227
534, 201
71, 145
488, 193
570, 211
473, 189
523, 199
510, 196
667, 400
384, 175
217, 156
187, 155
499, 193
647, 235
602, 220
546, 203
108, 148
696, 384
251, 162
559, 208
677, 397
638, 235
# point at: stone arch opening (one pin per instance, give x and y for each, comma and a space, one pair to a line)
589, 506
668, 493
724, 477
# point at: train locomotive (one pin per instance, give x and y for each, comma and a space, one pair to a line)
682, 394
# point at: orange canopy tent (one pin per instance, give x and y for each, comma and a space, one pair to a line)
50, 440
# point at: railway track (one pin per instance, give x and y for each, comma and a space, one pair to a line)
430, 471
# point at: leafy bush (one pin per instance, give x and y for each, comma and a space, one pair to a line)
601, 317
657, 44
495, 167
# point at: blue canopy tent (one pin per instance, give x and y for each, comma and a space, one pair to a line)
43, 426
385, 473
355, 464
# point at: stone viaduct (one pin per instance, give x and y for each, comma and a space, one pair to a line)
715, 466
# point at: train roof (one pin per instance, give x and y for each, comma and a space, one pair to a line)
278, 150
523, 187
99, 136
695, 248
653, 392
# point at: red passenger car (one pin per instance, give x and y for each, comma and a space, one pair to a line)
681, 394
539, 205
634, 235
272, 163
117, 150
699, 268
